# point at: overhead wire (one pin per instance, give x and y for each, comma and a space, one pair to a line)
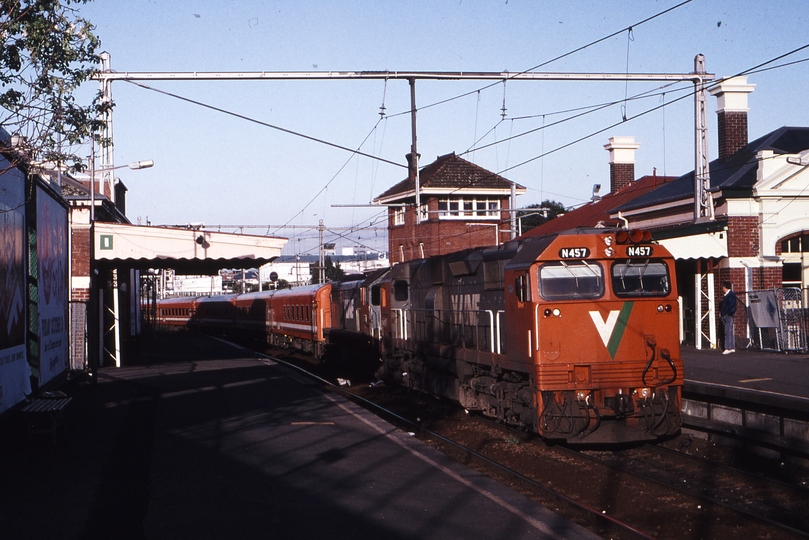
713, 84
552, 60
589, 109
265, 124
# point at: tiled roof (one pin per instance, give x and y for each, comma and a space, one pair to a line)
598, 213
449, 172
736, 174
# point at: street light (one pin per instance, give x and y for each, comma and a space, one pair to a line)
136, 165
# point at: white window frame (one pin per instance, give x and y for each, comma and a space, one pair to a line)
398, 216
424, 212
469, 208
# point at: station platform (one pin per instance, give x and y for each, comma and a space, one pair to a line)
199, 439
768, 378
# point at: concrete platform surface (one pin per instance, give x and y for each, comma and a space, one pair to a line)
767, 378
201, 440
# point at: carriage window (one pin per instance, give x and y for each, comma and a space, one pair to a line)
376, 294
640, 277
400, 290
571, 280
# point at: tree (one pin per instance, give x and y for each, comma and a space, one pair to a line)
48, 51
537, 214
333, 271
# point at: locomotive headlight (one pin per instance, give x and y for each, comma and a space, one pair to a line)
609, 251
660, 308
556, 312
608, 240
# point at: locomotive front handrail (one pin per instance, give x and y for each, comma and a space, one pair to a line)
497, 317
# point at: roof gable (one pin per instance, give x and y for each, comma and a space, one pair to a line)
735, 174
448, 173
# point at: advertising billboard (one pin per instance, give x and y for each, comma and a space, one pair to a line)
14, 371
52, 259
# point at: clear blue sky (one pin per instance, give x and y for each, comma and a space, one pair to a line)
220, 170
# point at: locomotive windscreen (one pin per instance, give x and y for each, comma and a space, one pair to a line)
571, 280
640, 277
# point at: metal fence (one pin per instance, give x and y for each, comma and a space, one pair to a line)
78, 335
778, 319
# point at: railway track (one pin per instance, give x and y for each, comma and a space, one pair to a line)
770, 500
687, 488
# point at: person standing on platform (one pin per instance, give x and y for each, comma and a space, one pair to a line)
727, 310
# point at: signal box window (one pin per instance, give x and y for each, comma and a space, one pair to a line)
571, 280
640, 277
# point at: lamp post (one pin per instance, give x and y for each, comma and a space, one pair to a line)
96, 309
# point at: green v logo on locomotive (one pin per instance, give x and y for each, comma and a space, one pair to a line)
612, 329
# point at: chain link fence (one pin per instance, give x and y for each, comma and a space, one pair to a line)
78, 335
777, 320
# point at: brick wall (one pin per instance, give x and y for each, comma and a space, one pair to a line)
80, 295
441, 236
621, 175
743, 237
732, 128
80, 255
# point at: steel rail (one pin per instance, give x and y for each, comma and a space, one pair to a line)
688, 492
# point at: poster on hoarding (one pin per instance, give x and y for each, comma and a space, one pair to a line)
53, 291
14, 372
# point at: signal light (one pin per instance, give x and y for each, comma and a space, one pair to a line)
635, 236
621, 237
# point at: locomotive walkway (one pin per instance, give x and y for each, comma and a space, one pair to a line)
197, 439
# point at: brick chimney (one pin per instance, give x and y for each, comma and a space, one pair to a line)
731, 112
622, 161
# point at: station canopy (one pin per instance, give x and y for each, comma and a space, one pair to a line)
186, 250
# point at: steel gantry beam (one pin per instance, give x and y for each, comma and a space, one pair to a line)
699, 78
108, 75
